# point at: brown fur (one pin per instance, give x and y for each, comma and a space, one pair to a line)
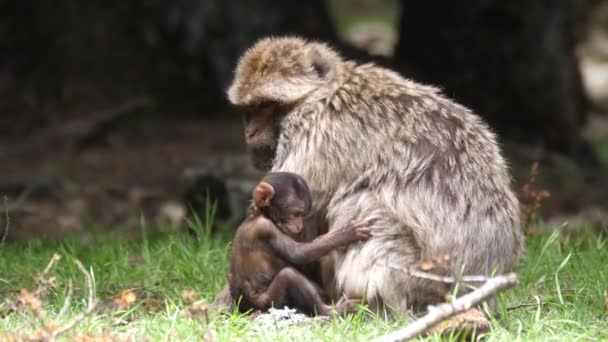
372, 143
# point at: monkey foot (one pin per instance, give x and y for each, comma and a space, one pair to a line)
465, 324
346, 305
223, 300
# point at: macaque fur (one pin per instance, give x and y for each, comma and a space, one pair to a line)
371, 143
265, 255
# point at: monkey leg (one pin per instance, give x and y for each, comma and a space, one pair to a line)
290, 286
345, 305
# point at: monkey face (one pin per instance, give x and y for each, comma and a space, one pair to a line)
292, 225
290, 213
261, 133
285, 199
271, 78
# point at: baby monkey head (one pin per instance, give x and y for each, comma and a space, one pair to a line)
285, 199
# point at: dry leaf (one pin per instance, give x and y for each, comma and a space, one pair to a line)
441, 260
39, 335
606, 301
426, 265
124, 300
50, 327
10, 338
197, 309
91, 338
210, 336
467, 321
32, 301
189, 295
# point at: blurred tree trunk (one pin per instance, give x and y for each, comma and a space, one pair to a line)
71, 58
512, 61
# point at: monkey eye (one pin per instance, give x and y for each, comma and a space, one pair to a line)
299, 213
247, 114
266, 104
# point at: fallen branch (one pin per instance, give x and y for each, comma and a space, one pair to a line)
50, 332
91, 305
32, 299
43, 282
526, 305
74, 132
437, 314
67, 300
448, 279
439, 278
23, 189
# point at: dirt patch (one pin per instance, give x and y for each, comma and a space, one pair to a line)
140, 168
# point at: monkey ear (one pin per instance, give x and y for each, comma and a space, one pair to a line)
319, 63
262, 194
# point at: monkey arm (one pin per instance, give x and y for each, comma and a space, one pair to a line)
300, 253
304, 253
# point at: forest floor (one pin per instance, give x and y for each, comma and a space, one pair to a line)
145, 166
156, 287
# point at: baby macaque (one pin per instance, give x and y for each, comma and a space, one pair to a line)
266, 257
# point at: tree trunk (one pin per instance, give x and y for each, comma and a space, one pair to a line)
513, 62
70, 58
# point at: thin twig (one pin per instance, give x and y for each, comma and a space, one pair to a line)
34, 304
6, 222
67, 300
435, 277
89, 282
42, 281
91, 304
18, 202
32, 299
448, 279
56, 257
525, 305
437, 314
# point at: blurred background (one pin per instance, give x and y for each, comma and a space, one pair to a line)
113, 113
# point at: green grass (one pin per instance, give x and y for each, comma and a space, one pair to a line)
602, 150
346, 15
566, 273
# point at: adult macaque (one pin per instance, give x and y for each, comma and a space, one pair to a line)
370, 142
265, 256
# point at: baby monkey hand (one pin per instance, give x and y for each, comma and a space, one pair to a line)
358, 230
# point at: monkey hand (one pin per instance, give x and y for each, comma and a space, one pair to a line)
354, 231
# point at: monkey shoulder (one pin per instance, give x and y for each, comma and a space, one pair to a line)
250, 248
409, 111
257, 229
253, 263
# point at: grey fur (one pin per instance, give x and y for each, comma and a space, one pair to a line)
371, 143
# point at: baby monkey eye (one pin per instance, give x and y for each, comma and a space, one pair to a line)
299, 213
